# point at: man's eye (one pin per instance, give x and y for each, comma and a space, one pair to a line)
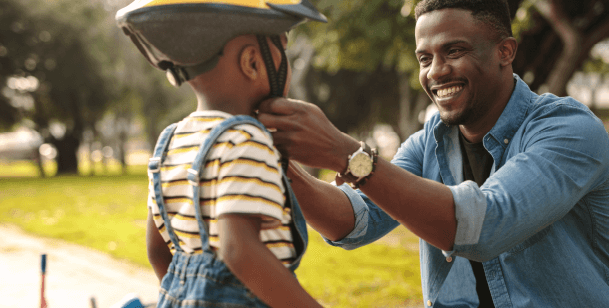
424, 60
453, 51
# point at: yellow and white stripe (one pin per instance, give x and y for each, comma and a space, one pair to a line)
241, 175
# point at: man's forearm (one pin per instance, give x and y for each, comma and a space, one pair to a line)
325, 207
423, 206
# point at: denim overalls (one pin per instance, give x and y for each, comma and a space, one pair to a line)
202, 280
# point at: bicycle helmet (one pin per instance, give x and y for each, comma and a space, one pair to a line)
185, 38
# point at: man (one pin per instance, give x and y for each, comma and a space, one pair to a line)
508, 190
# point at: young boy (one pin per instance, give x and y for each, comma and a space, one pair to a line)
222, 220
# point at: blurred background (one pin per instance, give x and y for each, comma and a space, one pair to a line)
79, 105
76, 95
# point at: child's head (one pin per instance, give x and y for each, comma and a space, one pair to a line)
222, 45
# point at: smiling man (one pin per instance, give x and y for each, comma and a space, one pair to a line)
508, 190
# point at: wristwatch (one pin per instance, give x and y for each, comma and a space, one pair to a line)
360, 165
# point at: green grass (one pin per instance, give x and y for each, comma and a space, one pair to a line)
29, 169
108, 213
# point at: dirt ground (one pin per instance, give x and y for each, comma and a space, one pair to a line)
74, 274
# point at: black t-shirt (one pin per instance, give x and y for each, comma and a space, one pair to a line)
477, 165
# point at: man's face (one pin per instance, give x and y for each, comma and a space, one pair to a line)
459, 64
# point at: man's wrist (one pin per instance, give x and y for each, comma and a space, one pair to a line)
361, 164
342, 159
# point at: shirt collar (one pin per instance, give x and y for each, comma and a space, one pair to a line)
514, 113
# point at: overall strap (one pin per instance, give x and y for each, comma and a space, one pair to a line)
154, 167
199, 161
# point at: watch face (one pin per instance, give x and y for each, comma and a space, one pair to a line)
360, 165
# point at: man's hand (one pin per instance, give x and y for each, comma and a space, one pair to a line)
303, 133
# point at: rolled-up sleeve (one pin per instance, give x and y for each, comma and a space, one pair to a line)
470, 209
371, 223
554, 167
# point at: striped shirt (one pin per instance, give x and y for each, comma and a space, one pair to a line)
240, 176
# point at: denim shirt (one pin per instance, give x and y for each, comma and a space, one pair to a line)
539, 224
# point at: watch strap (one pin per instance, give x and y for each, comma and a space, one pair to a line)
354, 181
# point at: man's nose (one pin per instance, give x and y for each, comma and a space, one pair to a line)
439, 68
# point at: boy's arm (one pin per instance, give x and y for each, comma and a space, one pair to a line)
159, 255
256, 266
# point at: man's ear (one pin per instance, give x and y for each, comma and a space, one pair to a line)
249, 62
507, 51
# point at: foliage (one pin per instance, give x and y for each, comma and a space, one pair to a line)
108, 213
364, 60
363, 34
556, 37
52, 72
80, 69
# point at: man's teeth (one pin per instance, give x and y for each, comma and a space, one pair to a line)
449, 91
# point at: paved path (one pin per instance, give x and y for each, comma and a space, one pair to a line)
74, 274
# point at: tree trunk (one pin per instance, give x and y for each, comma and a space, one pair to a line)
39, 165
67, 147
571, 39
122, 150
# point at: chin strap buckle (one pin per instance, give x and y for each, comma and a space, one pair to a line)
176, 75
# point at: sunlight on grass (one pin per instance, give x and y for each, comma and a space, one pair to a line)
108, 213
29, 168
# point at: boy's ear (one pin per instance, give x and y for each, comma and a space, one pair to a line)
249, 62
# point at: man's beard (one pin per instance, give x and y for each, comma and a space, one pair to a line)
469, 115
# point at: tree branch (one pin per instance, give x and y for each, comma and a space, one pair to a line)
571, 38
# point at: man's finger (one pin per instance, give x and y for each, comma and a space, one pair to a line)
276, 122
279, 106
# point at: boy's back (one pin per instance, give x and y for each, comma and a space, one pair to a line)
241, 176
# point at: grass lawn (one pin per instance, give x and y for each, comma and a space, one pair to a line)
108, 213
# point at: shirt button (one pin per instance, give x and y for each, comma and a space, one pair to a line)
506, 141
429, 303
449, 259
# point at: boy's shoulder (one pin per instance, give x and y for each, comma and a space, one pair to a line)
196, 127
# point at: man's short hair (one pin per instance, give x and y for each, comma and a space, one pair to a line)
493, 13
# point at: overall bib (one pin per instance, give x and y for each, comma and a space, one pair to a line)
202, 280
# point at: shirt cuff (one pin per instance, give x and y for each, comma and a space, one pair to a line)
470, 210
361, 219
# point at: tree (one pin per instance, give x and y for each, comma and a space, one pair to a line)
64, 81
556, 39
365, 70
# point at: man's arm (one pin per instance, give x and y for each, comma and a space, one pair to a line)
305, 134
256, 266
327, 209
159, 255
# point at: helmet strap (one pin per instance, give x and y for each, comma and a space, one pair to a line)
277, 77
180, 74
